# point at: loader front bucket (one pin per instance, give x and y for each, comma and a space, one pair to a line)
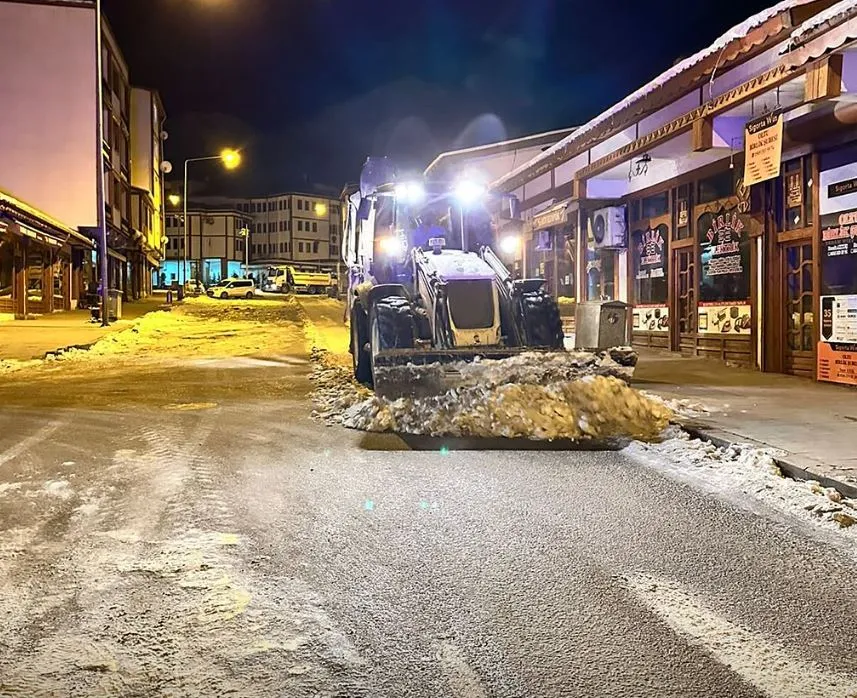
423, 373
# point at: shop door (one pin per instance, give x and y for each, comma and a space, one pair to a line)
798, 305
684, 300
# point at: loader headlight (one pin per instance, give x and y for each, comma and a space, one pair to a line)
510, 244
468, 191
410, 192
391, 246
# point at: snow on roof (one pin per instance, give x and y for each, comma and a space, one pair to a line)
498, 144
838, 11
25, 208
737, 32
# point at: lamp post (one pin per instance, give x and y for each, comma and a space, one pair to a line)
231, 159
245, 233
99, 164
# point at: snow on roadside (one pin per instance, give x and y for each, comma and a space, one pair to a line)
747, 470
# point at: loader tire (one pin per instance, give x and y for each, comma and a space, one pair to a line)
391, 325
541, 320
359, 339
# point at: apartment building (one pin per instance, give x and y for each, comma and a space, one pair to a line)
216, 245
147, 189
289, 227
48, 77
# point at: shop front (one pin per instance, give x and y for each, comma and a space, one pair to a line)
551, 251
39, 266
837, 242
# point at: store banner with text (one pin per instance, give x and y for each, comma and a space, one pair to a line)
724, 243
763, 148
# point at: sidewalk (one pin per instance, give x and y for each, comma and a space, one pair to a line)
32, 339
814, 423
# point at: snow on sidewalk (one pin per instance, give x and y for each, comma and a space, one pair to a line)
743, 470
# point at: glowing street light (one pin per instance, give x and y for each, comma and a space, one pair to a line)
509, 245
320, 210
174, 199
231, 159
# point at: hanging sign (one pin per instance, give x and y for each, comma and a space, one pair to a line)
763, 148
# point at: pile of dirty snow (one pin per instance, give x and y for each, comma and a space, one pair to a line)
574, 396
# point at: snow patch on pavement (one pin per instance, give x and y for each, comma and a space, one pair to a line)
751, 471
58, 488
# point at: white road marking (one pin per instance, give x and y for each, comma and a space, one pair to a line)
462, 679
759, 661
25, 444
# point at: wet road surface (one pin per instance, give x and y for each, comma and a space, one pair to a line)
185, 529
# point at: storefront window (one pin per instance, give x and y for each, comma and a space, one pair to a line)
681, 212
719, 186
601, 275
724, 290
650, 265
654, 206
794, 195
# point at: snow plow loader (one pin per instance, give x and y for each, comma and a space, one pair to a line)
426, 292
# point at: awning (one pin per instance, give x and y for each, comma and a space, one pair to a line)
555, 215
13, 227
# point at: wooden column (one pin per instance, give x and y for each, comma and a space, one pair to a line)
19, 289
67, 285
47, 281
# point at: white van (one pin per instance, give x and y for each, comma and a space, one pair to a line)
233, 288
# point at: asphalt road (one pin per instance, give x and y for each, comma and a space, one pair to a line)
188, 530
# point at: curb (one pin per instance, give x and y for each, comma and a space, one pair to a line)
790, 465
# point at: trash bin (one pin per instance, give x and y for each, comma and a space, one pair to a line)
602, 325
114, 304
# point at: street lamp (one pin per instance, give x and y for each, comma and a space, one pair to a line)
99, 163
245, 233
231, 159
174, 199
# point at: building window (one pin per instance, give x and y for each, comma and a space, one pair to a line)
288, 204
794, 195
289, 225
720, 186
314, 227
300, 247
315, 247
300, 205
287, 247
281, 204
300, 226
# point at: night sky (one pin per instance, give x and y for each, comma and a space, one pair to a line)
309, 88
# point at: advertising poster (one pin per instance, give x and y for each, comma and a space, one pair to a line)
725, 255
651, 313
837, 363
651, 318
730, 319
763, 148
839, 319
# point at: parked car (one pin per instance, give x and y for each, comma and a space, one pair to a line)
233, 288
194, 288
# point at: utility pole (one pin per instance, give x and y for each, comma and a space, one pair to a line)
99, 166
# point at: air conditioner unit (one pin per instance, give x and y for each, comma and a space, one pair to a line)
608, 228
